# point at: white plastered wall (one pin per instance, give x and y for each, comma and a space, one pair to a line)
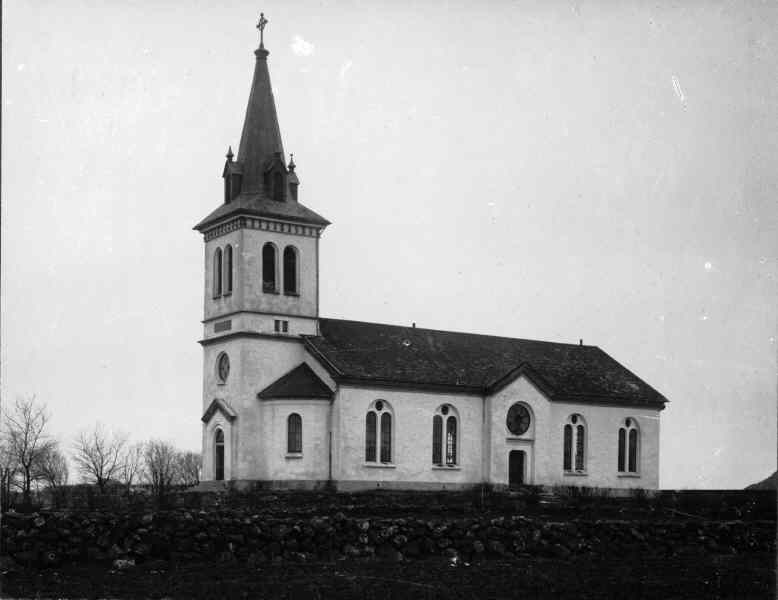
412, 437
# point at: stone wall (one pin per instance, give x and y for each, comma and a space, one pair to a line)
49, 539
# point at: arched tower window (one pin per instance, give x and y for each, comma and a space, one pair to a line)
290, 270
629, 446
218, 455
294, 434
574, 444
217, 273
228, 269
269, 268
445, 444
378, 432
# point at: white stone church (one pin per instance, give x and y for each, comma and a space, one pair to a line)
293, 399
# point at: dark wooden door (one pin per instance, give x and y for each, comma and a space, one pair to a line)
516, 468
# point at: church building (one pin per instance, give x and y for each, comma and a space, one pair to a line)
294, 399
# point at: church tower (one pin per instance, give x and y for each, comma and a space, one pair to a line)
261, 283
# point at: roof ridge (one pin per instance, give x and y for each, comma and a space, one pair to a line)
480, 335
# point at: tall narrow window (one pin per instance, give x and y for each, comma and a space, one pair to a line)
568, 448
633, 451
218, 452
269, 268
278, 187
444, 443
370, 437
579, 448
574, 458
378, 433
386, 438
294, 434
217, 273
629, 446
290, 270
451, 441
228, 269
437, 440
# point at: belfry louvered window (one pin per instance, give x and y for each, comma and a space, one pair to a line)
269, 258
217, 273
228, 269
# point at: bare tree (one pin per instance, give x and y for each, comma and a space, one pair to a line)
98, 455
189, 468
24, 428
161, 466
132, 462
51, 467
8, 471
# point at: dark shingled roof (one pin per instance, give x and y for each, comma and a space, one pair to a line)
259, 205
404, 356
300, 382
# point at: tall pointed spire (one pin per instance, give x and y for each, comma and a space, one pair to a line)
261, 137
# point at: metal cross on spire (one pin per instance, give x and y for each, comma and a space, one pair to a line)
261, 26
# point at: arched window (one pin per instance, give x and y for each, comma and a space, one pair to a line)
386, 437
228, 269
269, 268
629, 446
290, 270
278, 187
574, 449
217, 273
444, 447
437, 440
370, 436
378, 430
294, 434
218, 455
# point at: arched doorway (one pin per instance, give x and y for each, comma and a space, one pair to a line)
218, 455
516, 468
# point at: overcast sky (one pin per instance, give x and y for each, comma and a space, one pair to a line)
550, 170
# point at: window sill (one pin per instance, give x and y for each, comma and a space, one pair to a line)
264, 291
292, 294
446, 468
294, 455
217, 297
221, 383
576, 474
518, 438
372, 465
225, 294
630, 475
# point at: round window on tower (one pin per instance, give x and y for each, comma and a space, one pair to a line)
444, 409
379, 405
223, 367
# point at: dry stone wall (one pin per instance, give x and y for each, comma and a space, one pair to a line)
52, 538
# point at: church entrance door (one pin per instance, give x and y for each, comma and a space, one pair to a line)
516, 468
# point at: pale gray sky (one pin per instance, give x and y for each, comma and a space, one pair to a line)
551, 170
